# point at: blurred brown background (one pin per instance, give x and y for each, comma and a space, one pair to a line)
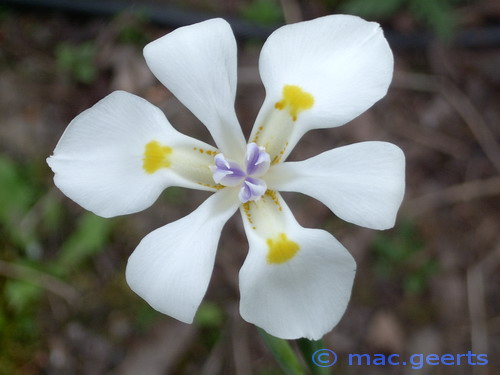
430, 285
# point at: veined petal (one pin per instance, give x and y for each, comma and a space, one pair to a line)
116, 157
318, 74
362, 183
172, 265
295, 282
197, 63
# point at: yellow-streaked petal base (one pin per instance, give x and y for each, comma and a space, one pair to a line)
156, 156
295, 100
276, 127
281, 249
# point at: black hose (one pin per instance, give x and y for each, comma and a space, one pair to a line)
169, 16
164, 15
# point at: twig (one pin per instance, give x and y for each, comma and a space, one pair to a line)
43, 280
457, 193
214, 362
415, 81
437, 141
476, 123
291, 11
476, 297
241, 353
33, 216
462, 105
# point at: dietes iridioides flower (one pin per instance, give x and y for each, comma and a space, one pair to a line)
118, 156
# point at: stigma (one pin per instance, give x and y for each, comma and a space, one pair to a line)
247, 177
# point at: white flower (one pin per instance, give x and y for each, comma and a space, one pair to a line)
118, 156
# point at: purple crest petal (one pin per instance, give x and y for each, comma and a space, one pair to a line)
257, 160
245, 194
221, 162
227, 173
252, 189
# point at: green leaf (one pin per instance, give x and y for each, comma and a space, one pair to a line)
145, 316
131, 28
371, 8
174, 195
308, 348
269, 372
263, 12
438, 14
413, 284
21, 294
399, 256
78, 60
53, 214
17, 194
283, 353
91, 235
3, 319
209, 315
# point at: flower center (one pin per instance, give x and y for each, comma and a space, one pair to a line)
230, 173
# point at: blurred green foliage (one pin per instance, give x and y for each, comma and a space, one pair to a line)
378, 9
42, 242
17, 194
4, 12
30, 218
19, 338
210, 319
270, 372
307, 349
400, 256
90, 236
174, 195
18, 325
20, 294
263, 12
144, 316
283, 353
209, 315
77, 60
131, 28
437, 14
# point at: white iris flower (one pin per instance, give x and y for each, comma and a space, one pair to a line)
118, 156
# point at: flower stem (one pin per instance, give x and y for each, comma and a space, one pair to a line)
283, 353
308, 348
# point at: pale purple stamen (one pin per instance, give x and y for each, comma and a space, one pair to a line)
229, 173
252, 189
257, 160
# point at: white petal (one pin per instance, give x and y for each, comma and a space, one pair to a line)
362, 183
171, 267
197, 63
303, 294
100, 160
343, 62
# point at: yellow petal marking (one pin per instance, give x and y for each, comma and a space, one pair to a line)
281, 249
295, 100
155, 157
